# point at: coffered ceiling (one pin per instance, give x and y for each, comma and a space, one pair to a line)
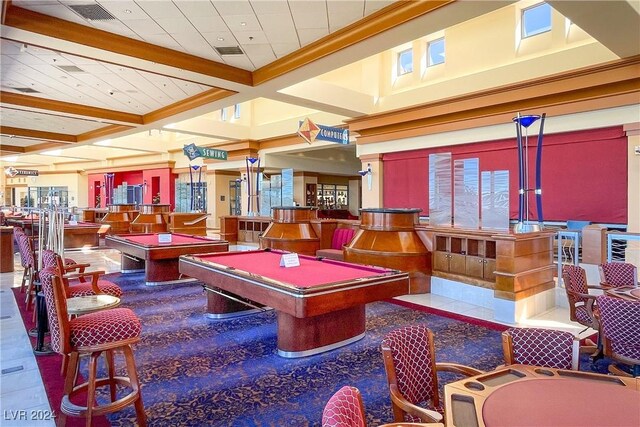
75, 72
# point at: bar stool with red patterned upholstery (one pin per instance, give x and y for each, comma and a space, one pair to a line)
106, 331
76, 284
344, 409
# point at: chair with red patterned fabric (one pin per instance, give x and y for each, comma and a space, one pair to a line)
410, 364
541, 347
620, 319
616, 274
344, 409
27, 259
75, 283
582, 307
102, 332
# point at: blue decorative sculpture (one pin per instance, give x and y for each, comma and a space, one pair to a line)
524, 225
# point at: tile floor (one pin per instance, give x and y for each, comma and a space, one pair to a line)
22, 395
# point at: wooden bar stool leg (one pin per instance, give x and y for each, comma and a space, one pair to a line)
108, 357
135, 384
91, 387
69, 381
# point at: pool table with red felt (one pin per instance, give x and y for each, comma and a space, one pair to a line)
320, 304
160, 260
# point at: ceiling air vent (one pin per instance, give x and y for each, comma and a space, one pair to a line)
229, 50
92, 12
25, 90
70, 68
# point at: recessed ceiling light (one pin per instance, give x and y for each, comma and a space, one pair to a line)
220, 39
243, 24
127, 11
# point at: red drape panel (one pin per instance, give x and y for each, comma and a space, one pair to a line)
584, 174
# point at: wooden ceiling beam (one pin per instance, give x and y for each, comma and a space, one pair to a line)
12, 149
50, 145
38, 134
69, 108
39, 23
195, 101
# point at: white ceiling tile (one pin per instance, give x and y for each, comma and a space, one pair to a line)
268, 7
197, 9
232, 7
125, 10
239, 61
228, 39
115, 27
178, 24
57, 12
159, 9
209, 24
204, 51
144, 27
309, 13
251, 37
371, 6
343, 13
311, 34
281, 49
279, 28
235, 22
164, 40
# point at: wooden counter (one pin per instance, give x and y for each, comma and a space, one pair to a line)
6, 252
119, 218
514, 265
388, 238
290, 230
194, 223
150, 219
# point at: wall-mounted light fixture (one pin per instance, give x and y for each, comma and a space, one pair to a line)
367, 172
144, 187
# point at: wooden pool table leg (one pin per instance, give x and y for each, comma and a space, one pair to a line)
300, 337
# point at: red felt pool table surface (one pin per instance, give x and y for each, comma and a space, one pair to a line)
320, 304
309, 273
176, 239
160, 260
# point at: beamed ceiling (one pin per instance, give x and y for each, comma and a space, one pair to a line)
76, 72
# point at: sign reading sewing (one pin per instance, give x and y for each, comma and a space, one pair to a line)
11, 172
193, 152
310, 131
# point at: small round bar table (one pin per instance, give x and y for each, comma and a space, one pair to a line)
77, 306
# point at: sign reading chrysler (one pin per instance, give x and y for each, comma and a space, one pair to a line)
11, 172
310, 131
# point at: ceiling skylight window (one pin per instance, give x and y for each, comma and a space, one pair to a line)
405, 62
435, 52
536, 20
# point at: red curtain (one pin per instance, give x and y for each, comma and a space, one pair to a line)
584, 174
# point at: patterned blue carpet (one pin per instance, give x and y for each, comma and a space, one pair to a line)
201, 372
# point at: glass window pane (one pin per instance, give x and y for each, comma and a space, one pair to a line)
536, 20
405, 62
435, 52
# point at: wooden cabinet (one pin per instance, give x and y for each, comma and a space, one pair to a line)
250, 228
471, 256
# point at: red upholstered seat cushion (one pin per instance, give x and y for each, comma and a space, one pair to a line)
344, 408
341, 237
104, 327
79, 289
